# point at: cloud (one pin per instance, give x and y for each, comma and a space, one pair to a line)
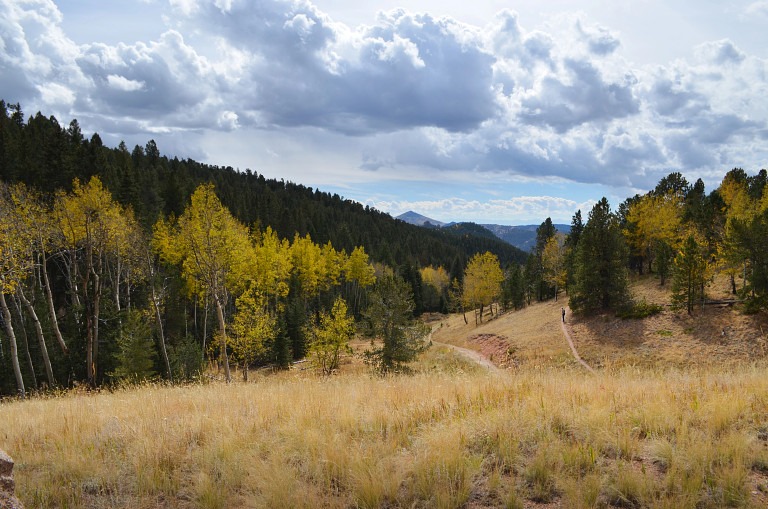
518, 208
599, 40
407, 71
122, 83
35, 54
759, 8
720, 52
673, 98
409, 94
578, 97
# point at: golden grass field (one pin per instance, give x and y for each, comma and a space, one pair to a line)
643, 432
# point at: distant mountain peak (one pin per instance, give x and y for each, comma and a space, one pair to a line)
412, 217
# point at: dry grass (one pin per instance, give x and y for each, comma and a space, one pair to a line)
673, 419
449, 437
715, 335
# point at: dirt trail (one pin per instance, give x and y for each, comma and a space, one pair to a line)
472, 355
567, 334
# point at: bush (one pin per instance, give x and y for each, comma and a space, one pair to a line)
639, 310
186, 358
137, 352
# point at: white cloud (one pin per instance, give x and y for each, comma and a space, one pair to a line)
410, 94
54, 94
759, 8
720, 52
122, 83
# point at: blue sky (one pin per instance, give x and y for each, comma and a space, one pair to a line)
486, 111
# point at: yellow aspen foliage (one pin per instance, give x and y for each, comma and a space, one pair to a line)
656, 219
738, 204
15, 239
740, 208
359, 273
438, 278
333, 263
308, 264
763, 205
253, 327
94, 229
213, 248
330, 337
271, 266
89, 217
482, 281
553, 262
359, 269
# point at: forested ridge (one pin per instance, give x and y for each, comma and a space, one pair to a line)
48, 157
90, 276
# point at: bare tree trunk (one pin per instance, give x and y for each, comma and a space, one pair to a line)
52, 308
40, 336
14, 347
27, 353
117, 287
159, 318
72, 272
92, 298
223, 331
205, 326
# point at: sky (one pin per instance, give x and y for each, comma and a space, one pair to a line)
488, 111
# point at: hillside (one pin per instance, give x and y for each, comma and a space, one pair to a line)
523, 236
44, 155
715, 335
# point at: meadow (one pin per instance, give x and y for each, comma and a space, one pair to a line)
666, 429
448, 435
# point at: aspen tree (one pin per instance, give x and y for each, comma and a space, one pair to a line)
14, 267
92, 225
214, 251
482, 282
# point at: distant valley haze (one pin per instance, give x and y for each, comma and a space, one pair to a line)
469, 111
520, 236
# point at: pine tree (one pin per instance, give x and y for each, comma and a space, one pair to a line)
390, 315
137, 354
689, 273
601, 275
571, 244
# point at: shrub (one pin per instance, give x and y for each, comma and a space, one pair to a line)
639, 310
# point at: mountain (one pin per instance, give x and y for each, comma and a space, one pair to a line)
472, 229
417, 219
523, 236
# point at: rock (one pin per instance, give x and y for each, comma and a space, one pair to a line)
6, 464
7, 500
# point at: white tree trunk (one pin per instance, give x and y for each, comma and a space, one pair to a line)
40, 336
14, 347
